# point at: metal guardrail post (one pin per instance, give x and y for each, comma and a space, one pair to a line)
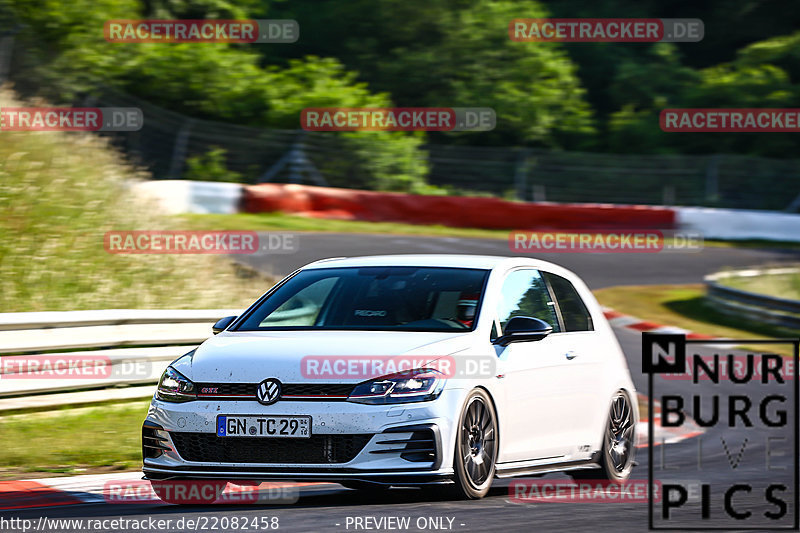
521, 175
712, 180
179, 150
6, 51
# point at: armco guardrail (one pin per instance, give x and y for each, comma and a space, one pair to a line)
759, 307
134, 346
107, 317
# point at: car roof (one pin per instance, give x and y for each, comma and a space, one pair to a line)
486, 262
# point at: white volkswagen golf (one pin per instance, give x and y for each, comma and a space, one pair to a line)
402, 370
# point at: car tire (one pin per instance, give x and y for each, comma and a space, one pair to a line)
619, 439
475, 453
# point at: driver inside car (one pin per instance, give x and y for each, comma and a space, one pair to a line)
466, 308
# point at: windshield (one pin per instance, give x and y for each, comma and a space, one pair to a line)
373, 298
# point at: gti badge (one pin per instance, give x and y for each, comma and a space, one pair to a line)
269, 391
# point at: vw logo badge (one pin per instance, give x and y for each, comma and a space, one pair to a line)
269, 391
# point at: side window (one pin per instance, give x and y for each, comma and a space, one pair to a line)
525, 293
303, 308
573, 311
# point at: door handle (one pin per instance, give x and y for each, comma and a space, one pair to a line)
570, 355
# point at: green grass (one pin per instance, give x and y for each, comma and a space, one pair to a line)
59, 194
286, 222
73, 441
777, 285
685, 306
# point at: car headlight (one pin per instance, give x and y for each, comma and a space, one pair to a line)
175, 387
420, 385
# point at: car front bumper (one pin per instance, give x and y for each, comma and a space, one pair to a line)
388, 439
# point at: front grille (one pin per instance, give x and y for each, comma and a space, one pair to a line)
317, 449
317, 391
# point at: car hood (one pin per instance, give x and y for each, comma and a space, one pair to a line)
249, 357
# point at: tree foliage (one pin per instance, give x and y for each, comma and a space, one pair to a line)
438, 53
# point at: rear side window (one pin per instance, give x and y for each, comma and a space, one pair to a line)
573, 311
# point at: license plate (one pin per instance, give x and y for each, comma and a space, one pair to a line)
291, 427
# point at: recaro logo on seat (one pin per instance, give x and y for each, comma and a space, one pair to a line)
269, 391
369, 312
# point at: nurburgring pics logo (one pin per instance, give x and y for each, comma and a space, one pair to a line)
748, 465
71, 119
606, 30
201, 31
398, 119
604, 241
198, 242
746, 120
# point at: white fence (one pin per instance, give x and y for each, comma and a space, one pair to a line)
739, 224
184, 196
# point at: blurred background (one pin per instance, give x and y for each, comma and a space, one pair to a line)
229, 112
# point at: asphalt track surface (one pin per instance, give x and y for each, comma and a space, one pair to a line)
598, 270
329, 510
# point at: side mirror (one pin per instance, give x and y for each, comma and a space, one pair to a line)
222, 323
522, 329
